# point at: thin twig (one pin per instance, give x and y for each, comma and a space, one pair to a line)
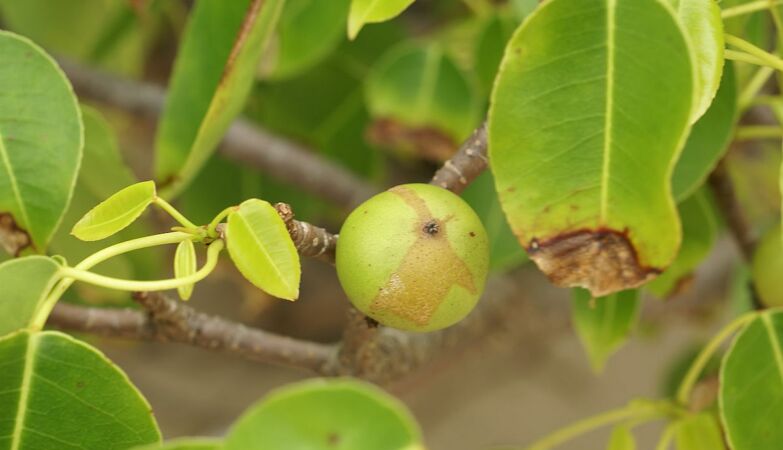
244, 142
466, 165
169, 320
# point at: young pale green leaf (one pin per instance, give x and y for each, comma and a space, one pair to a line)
373, 11
116, 212
212, 77
588, 115
699, 231
185, 444
751, 385
709, 138
621, 439
308, 31
261, 248
421, 101
767, 267
703, 26
698, 432
185, 265
41, 141
61, 393
603, 324
323, 414
25, 284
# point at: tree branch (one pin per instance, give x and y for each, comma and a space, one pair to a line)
466, 165
169, 320
244, 142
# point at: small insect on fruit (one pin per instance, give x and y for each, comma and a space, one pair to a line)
414, 257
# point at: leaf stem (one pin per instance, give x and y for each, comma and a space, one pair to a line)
666, 438
166, 206
753, 87
641, 412
213, 225
684, 391
762, 55
143, 286
749, 8
734, 55
751, 132
98, 257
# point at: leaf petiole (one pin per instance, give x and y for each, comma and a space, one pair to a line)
749, 8
143, 286
761, 56
684, 391
213, 225
172, 211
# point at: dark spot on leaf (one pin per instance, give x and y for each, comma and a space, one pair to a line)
427, 143
13, 239
603, 261
333, 439
80, 384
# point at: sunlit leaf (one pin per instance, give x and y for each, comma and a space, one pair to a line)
261, 248
372, 11
703, 26
184, 266
185, 444
621, 439
325, 414
25, 284
588, 115
603, 324
116, 212
213, 73
698, 432
60, 393
41, 140
699, 232
709, 139
751, 385
308, 31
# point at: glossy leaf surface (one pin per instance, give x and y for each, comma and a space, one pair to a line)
326, 415
25, 284
185, 265
751, 382
61, 393
372, 11
116, 212
604, 324
41, 141
261, 248
213, 73
588, 115
185, 444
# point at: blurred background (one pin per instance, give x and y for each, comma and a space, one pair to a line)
388, 107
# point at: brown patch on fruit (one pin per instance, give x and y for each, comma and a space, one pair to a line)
424, 142
603, 261
12, 238
428, 270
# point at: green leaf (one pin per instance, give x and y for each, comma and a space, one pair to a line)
213, 73
261, 248
490, 43
621, 439
588, 115
184, 266
751, 385
185, 444
698, 432
373, 11
116, 212
421, 100
703, 26
767, 267
308, 31
709, 139
26, 282
41, 140
326, 414
603, 324
61, 393
699, 232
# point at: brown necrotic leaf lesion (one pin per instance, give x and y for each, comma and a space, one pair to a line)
13, 239
603, 261
428, 270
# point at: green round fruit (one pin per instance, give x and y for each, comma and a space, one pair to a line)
766, 267
414, 257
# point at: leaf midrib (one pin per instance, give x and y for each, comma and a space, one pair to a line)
264, 251
608, 116
14, 183
776, 351
27, 375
